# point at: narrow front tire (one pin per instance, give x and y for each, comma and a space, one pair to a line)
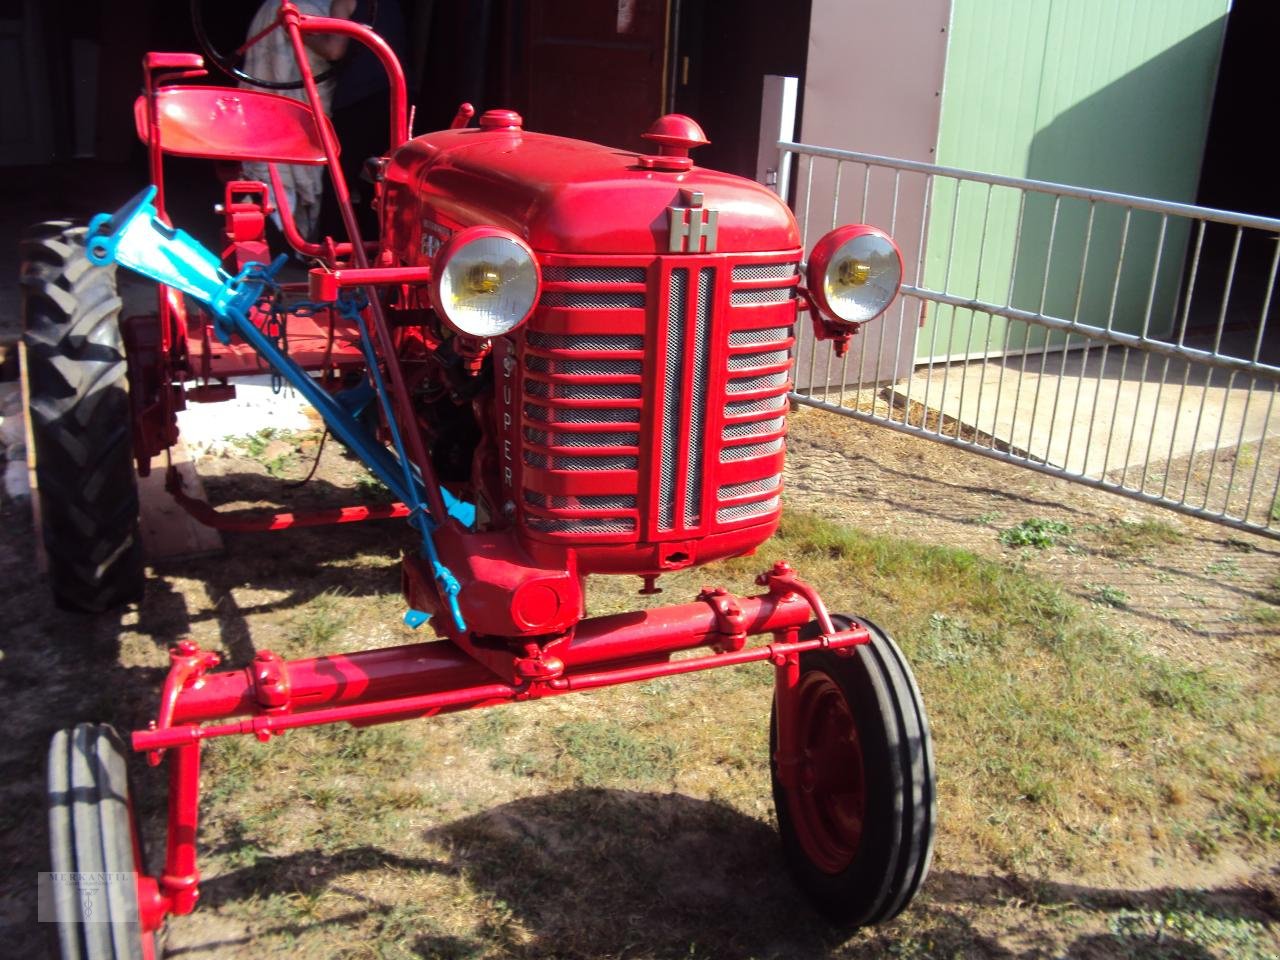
857, 822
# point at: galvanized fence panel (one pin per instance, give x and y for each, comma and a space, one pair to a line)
1117, 341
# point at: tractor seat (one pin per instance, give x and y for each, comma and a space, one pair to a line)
226, 123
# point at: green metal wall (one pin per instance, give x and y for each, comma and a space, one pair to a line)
1087, 92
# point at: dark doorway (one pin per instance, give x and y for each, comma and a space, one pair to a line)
1238, 174
723, 52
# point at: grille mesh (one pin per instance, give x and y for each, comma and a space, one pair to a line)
592, 438
759, 271
677, 297
750, 451
597, 391
747, 511
592, 301
754, 428
599, 415
589, 525
743, 298
592, 341
762, 382
738, 408
593, 274
732, 491
749, 338
586, 502
578, 463
680, 392
595, 367
750, 361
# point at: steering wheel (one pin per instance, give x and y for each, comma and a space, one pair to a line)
232, 64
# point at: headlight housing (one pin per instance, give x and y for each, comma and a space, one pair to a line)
485, 282
854, 273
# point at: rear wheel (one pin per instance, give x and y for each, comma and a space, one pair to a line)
93, 836
80, 420
857, 824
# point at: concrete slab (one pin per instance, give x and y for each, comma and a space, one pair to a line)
169, 532
1094, 417
256, 407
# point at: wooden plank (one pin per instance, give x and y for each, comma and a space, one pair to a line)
168, 531
42, 558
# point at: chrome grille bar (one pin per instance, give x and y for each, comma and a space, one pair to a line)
674, 340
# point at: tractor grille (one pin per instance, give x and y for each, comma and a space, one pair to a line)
624, 368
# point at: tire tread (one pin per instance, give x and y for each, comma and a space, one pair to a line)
80, 420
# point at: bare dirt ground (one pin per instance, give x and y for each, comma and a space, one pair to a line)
561, 829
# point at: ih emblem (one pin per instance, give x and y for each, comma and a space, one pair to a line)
692, 224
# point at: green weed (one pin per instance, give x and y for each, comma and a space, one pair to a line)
1036, 532
1107, 596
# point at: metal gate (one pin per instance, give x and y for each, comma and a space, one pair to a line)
1117, 341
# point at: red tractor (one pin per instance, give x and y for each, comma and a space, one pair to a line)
563, 360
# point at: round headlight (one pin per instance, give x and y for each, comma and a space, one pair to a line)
854, 272
485, 282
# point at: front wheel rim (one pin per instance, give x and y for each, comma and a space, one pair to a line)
828, 799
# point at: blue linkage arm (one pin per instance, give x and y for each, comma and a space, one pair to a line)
417, 509
135, 238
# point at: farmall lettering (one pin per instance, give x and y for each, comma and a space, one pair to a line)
518, 332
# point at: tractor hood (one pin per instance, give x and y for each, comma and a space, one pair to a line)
567, 196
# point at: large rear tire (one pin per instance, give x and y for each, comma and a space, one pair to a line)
80, 420
92, 833
857, 826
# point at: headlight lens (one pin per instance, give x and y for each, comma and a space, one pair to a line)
485, 282
855, 272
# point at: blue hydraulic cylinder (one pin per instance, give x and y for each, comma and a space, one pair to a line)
135, 237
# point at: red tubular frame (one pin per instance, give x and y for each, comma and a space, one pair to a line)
253, 521
296, 24
380, 686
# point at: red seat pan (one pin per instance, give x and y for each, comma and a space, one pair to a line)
225, 123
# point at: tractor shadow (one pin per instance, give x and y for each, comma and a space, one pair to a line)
261, 574
599, 872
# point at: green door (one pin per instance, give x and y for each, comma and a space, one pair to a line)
1093, 93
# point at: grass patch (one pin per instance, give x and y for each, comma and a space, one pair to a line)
1036, 532
255, 444
1263, 614
1132, 538
320, 620
1227, 567
1107, 596
370, 488
1185, 925
597, 752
